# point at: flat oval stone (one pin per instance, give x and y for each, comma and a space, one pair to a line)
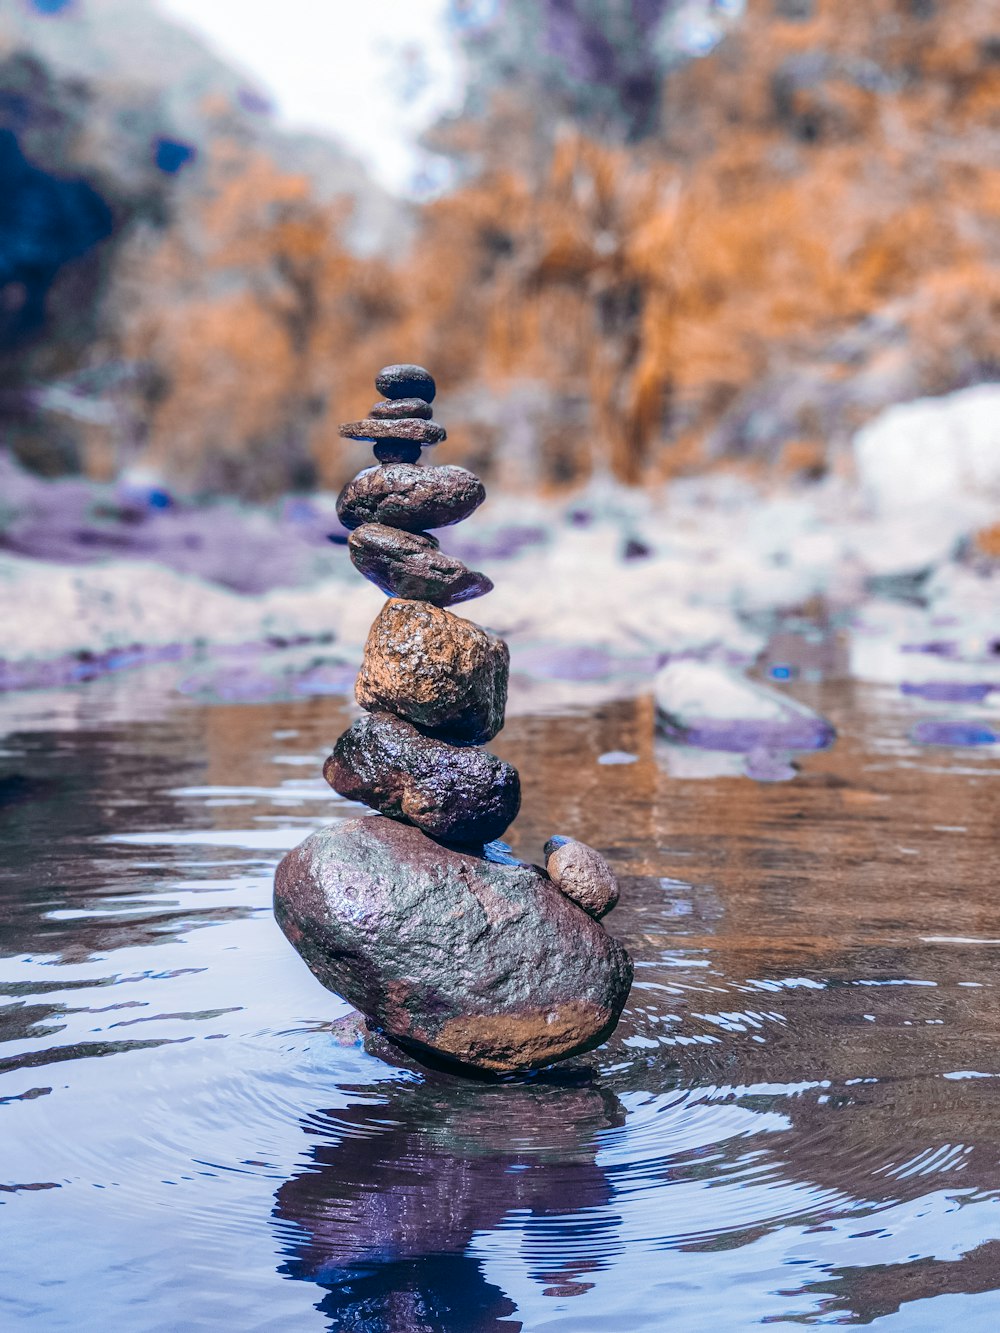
450, 954
436, 670
414, 498
582, 874
407, 428
406, 381
458, 793
410, 565
389, 410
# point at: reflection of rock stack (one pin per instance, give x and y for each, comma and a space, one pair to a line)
396, 1186
459, 949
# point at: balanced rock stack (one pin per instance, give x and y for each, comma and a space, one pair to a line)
444, 940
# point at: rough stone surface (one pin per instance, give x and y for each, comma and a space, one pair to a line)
396, 451
582, 874
410, 497
443, 673
410, 565
461, 794
449, 953
391, 410
407, 428
406, 381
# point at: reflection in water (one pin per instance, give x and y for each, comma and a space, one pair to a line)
395, 1189
795, 1123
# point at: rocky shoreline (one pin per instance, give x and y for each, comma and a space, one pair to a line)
892, 587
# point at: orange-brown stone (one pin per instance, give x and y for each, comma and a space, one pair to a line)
442, 673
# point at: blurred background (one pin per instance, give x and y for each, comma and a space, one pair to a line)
657, 253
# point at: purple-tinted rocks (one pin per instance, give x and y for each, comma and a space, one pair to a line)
406, 381
444, 674
954, 731
949, 691
704, 705
389, 410
449, 953
581, 873
405, 496
460, 794
411, 429
410, 565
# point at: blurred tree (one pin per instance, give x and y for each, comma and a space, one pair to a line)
597, 63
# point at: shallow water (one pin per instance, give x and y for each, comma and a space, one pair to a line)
797, 1122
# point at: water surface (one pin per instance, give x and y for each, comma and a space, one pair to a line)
798, 1121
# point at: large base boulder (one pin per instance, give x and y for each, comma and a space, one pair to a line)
456, 955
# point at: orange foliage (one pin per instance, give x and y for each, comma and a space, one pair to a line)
810, 176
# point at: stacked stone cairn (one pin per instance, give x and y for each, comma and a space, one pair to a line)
447, 943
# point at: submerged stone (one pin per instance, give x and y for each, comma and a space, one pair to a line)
449, 953
704, 705
582, 874
460, 794
410, 565
444, 674
406, 381
407, 428
414, 498
389, 410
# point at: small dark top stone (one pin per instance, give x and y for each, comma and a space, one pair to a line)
406, 381
410, 565
460, 794
408, 428
388, 410
396, 451
414, 498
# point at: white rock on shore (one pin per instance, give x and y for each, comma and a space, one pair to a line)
50, 610
932, 451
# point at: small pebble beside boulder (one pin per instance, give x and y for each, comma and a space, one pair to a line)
582, 874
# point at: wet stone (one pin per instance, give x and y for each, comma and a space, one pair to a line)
410, 565
450, 954
460, 794
406, 381
436, 670
389, 410
582, 874
411, 429
414, 498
